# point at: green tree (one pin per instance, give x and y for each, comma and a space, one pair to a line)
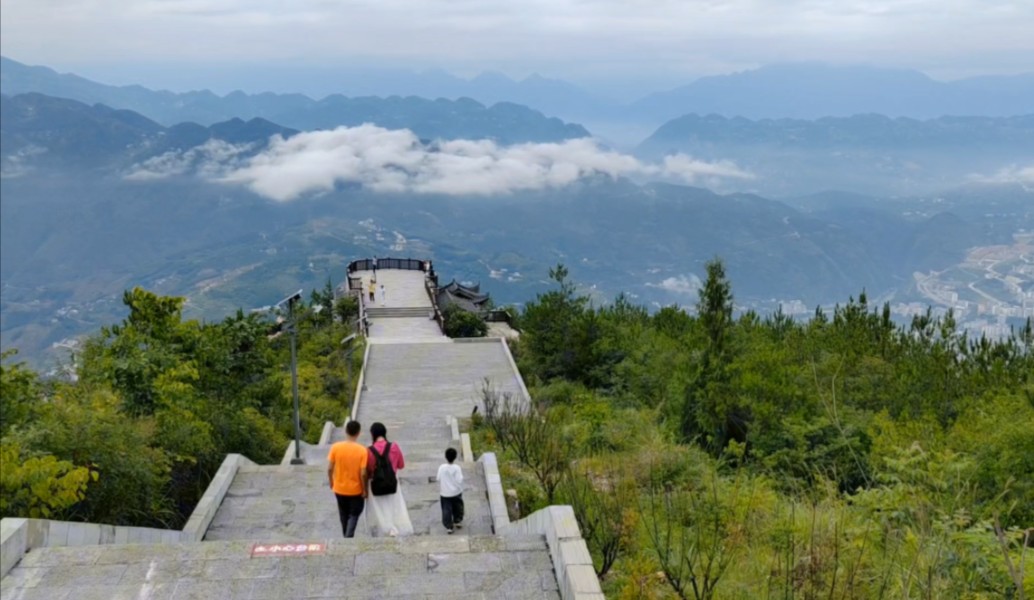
711, 410
19, 393
85, 427
131, 356
346, 309
39, 487
549, 328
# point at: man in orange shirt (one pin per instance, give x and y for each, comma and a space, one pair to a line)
346, 472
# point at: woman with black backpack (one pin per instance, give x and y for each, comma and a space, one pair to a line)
386, 511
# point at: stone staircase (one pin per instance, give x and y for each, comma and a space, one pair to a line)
457, 567
411, 387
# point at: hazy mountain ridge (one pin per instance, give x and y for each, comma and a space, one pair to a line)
41, 131
862, 129
504, 121
871, 154
810, 91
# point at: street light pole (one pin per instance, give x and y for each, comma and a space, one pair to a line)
293, 329
348, 364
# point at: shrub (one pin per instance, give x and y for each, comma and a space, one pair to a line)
462, 324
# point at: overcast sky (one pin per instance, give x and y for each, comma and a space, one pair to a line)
588, 41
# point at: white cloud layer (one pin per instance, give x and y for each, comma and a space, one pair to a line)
387, 160
208, 160
681, 285
1011, 174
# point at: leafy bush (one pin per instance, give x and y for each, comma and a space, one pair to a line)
462, 324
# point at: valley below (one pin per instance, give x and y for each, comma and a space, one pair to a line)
224, 248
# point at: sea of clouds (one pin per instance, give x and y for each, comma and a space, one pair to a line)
396, 160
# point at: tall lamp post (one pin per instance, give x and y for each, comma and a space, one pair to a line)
347, 342
292, 329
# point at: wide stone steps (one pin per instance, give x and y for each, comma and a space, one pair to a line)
294, 503
374, 312
454, 567
410, 387
414, 452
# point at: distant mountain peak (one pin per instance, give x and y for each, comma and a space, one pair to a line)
492, 77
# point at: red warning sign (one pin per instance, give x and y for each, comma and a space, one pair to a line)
288, 549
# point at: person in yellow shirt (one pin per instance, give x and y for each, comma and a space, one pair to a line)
346, 472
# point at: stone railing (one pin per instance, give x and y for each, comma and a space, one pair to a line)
406, 264
572, 562
18, 536
359, 385
431, 287
460, 439
204, 512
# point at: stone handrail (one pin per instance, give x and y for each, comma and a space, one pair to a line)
327, 433
18, 535
431, 286
526, 396
204, 512
359, 385
572, 562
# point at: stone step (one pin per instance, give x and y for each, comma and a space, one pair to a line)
457, 566
375, 312
287, 502
411, 387
427, 444
405, 329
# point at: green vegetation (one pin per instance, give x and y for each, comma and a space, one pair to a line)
710, 455
722, 456
158, 404
462, 324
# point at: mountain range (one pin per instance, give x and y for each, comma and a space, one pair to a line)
801, 91
505, 122
812, 91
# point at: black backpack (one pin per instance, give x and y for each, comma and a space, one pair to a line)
384, 481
